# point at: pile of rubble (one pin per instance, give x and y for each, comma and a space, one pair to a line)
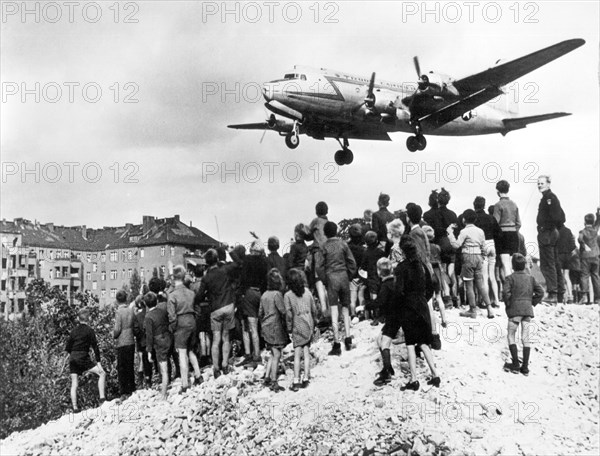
479, 408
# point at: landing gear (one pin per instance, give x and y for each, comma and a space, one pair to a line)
345, 155
292, 140
414, 143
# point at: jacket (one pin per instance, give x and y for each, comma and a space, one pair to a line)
123, 330
335, 257
521, 293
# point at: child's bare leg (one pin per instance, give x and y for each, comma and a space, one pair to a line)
346, 316
97, 369
442, 307
297, 354
164, 375
306, 362
74, 385
335, 323
412, 362
429, 358
194, 362
183, 366
275, 362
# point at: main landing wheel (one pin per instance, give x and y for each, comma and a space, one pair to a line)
343, 157
292, 140
414, 143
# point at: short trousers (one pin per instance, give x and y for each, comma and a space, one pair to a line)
490, 251
162, 346
223, 319
391, 327
472, 266
508, 242
519, 319
185, 334
338, 289
250, 303
80, 362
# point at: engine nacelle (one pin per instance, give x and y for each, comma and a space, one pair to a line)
437, 84
384, 102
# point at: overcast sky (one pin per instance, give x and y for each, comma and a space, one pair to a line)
178, 54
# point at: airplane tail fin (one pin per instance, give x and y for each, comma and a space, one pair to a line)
516, 123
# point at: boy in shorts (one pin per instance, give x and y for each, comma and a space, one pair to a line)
158, 337
521, 293
471, 240
80, 340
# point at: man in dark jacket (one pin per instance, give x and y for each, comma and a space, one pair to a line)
549, 219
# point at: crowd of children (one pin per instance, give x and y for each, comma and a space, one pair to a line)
395, 268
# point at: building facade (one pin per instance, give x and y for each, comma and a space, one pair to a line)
100, 261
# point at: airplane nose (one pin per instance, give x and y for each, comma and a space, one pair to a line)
267, 91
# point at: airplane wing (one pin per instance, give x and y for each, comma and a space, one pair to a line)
507, 72
516, 123
483, 87
251, 126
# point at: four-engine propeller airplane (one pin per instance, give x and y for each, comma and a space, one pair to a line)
324, 103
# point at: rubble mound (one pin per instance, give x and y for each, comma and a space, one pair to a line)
478, 409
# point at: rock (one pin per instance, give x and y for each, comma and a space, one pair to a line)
232, 394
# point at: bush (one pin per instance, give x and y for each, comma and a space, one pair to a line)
34, 368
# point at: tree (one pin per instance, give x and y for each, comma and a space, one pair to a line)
155, 272
135, 285
345, 225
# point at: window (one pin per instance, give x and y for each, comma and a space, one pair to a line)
141, 253
103, 293
172, 251
94, 267
113, 256
94, 285
162, 251
103, 275
88, 275
163, 269
129, 273
78, 256
141, 272
50, 275
89, 257
123, 274
113, 292
103, 257
123, 255
41, 253
57, 273
129, 255
113, 274
51, 255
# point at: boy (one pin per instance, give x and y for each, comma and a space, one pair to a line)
158, 338
521, 293
335, 266
588, 247
389, 310
80, 340
472, 242
123, 333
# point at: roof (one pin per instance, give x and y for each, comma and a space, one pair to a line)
158, 232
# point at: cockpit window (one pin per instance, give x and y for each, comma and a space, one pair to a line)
295, 76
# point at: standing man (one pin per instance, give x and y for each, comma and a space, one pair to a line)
123, 333
549, 219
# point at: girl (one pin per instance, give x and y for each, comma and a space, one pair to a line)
301, 314
413, 287
272, 320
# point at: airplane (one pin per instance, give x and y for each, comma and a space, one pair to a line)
323, 103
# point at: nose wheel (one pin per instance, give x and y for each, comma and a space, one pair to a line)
414, 143
345, 155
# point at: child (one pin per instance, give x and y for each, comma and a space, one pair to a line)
272, 317
472, 242
389, 310
521, 293
435, 258
158, 337
369, 264
80, 340
123, 333
589, 251
301, 314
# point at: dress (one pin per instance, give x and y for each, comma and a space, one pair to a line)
301, 314
272, 319
413, 285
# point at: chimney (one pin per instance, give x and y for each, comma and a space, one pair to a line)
190, 223
148, 222
84, 232
176, 218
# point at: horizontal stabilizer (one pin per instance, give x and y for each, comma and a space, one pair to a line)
251, 126
516, 123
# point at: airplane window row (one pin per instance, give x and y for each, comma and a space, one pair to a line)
295, 76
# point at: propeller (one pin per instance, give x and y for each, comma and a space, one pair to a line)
423, 79
370, 98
